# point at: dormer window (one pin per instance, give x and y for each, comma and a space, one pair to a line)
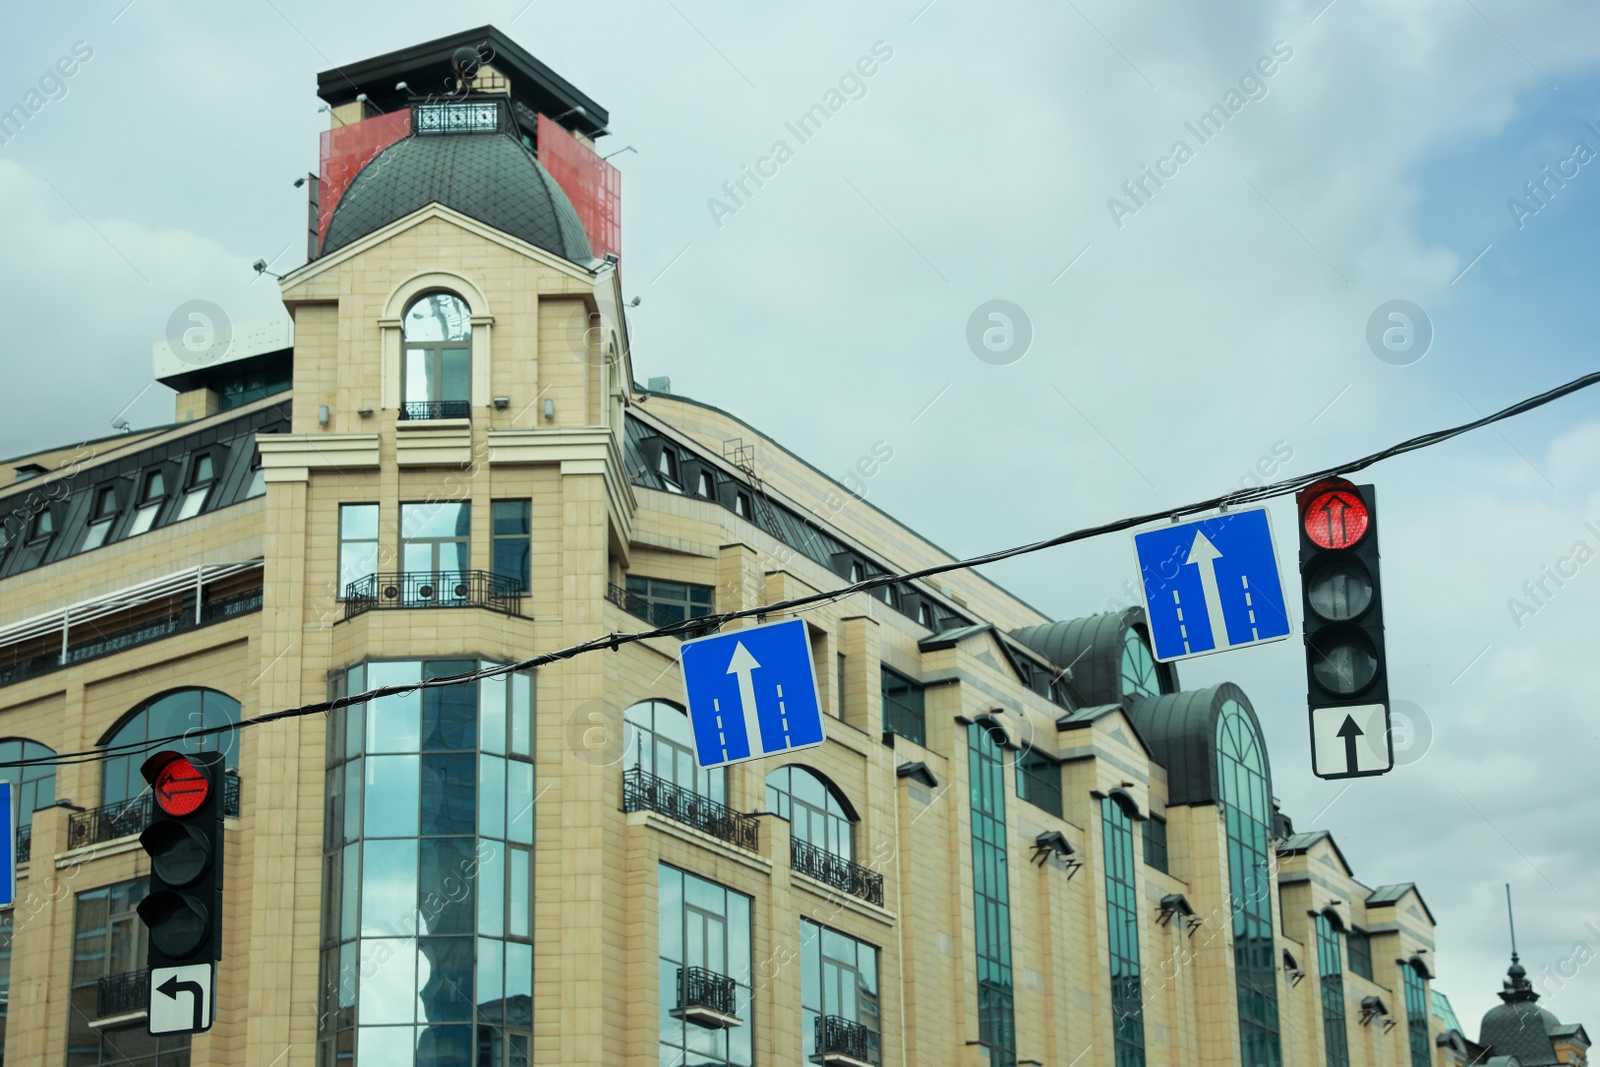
437, 376
150, 501
704, 486
667, 467
201, 475
44, 524
100, 520
258, 480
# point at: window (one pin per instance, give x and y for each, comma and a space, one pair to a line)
35, 785
1139, 675
44, 524
706, 486
511, 524
1360, 945
815, 815
1155, 843
434, 538
101, 517
1335, 1038
358, 544
666, 602
991, 896
904, 712
1039, 780
428, 884
841, 684
150, 501
172, 715
201, 475
667, 467
109, 941
742, 505
838, 994
702, 925
660, 741
258, 481
1122, 933
1416, 1014
1246, 801
437, 376
924, 615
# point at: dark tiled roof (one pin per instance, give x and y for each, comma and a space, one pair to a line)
1389, 895
490, 177
1303, 842
1180, 729
1092, 648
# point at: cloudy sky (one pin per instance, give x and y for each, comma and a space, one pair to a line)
1217, 322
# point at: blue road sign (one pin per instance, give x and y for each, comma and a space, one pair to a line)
751, 693
8, 849
1211, 585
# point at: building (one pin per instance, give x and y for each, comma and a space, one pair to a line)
1023, 842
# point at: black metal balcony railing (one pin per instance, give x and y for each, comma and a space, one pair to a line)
643, 791
703, 989
839, 1037
212, 611
433, 589
418, 410
910, 723
24, 844
128, 818
639, 607
842, 874
119, 994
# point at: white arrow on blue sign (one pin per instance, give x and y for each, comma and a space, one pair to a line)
751, 693
1211, 585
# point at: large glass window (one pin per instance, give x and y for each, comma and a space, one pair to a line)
904, 712
1330, 969
664, 602
358, 544
660, 741
1155, 843
1039, 780
1246, 800
183, 714
706, 926
838, 994
1416, 1015
435, 537
35, 784
511, 526
1139, 676
438, 357
109, 941
991, 896
1122, 934
815, 815
427, 954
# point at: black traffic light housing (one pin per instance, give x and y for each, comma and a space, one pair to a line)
183, 910
1341, 595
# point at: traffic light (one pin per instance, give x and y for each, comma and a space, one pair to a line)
1347, 679
184, 841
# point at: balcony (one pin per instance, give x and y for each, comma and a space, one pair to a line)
643, 791
128, 818
24, 844
909, 722
122, 994
658, 615
707, 999
844, 875
433, 589
843, 1043
429, 410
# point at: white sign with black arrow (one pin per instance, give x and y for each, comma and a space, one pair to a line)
181, 998
1351, 742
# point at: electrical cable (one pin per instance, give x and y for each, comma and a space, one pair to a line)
706, 624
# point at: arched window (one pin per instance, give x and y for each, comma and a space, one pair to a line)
175, 714
815, 814
660, 741
437, 373
35, 785
1139, 677
1245, 798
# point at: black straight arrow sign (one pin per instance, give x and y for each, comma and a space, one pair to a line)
172, 987
1350, 731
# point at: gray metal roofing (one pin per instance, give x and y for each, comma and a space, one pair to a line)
1391, 894
1092, 648
1519, 1028
1180, 729
1302, 842
490, 177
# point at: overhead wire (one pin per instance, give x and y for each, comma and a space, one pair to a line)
707, 624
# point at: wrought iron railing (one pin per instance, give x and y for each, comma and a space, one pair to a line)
639, 607
434, 589
119, 994
179, 621
24, 844
643, 791
127, 818
700, 988
420, 410
909, 723
842, 874
838, 1036
456, 117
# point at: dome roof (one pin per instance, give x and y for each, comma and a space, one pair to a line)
1181, 732
490, 177
1519, 1027
1092, 647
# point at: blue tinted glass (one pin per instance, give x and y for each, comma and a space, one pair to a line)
670, 913
519, 905
521, 712
440, 518
445, 980
491, 977
491, 883
449, 715
491, 796
394, 722
519, 969
385, 1046
388, 982
447, 875
492, 713
391, 796
519, 802
351, 891
388, 888
448, 792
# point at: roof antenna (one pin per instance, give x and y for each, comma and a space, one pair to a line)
466, 61
1512, 920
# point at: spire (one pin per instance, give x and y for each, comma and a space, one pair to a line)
1517, 986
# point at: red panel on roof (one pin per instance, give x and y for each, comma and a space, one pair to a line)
346, 150
593, 185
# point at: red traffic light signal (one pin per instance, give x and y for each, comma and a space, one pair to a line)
179, 786
1333, 513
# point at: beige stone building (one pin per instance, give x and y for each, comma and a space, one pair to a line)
1021, 843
